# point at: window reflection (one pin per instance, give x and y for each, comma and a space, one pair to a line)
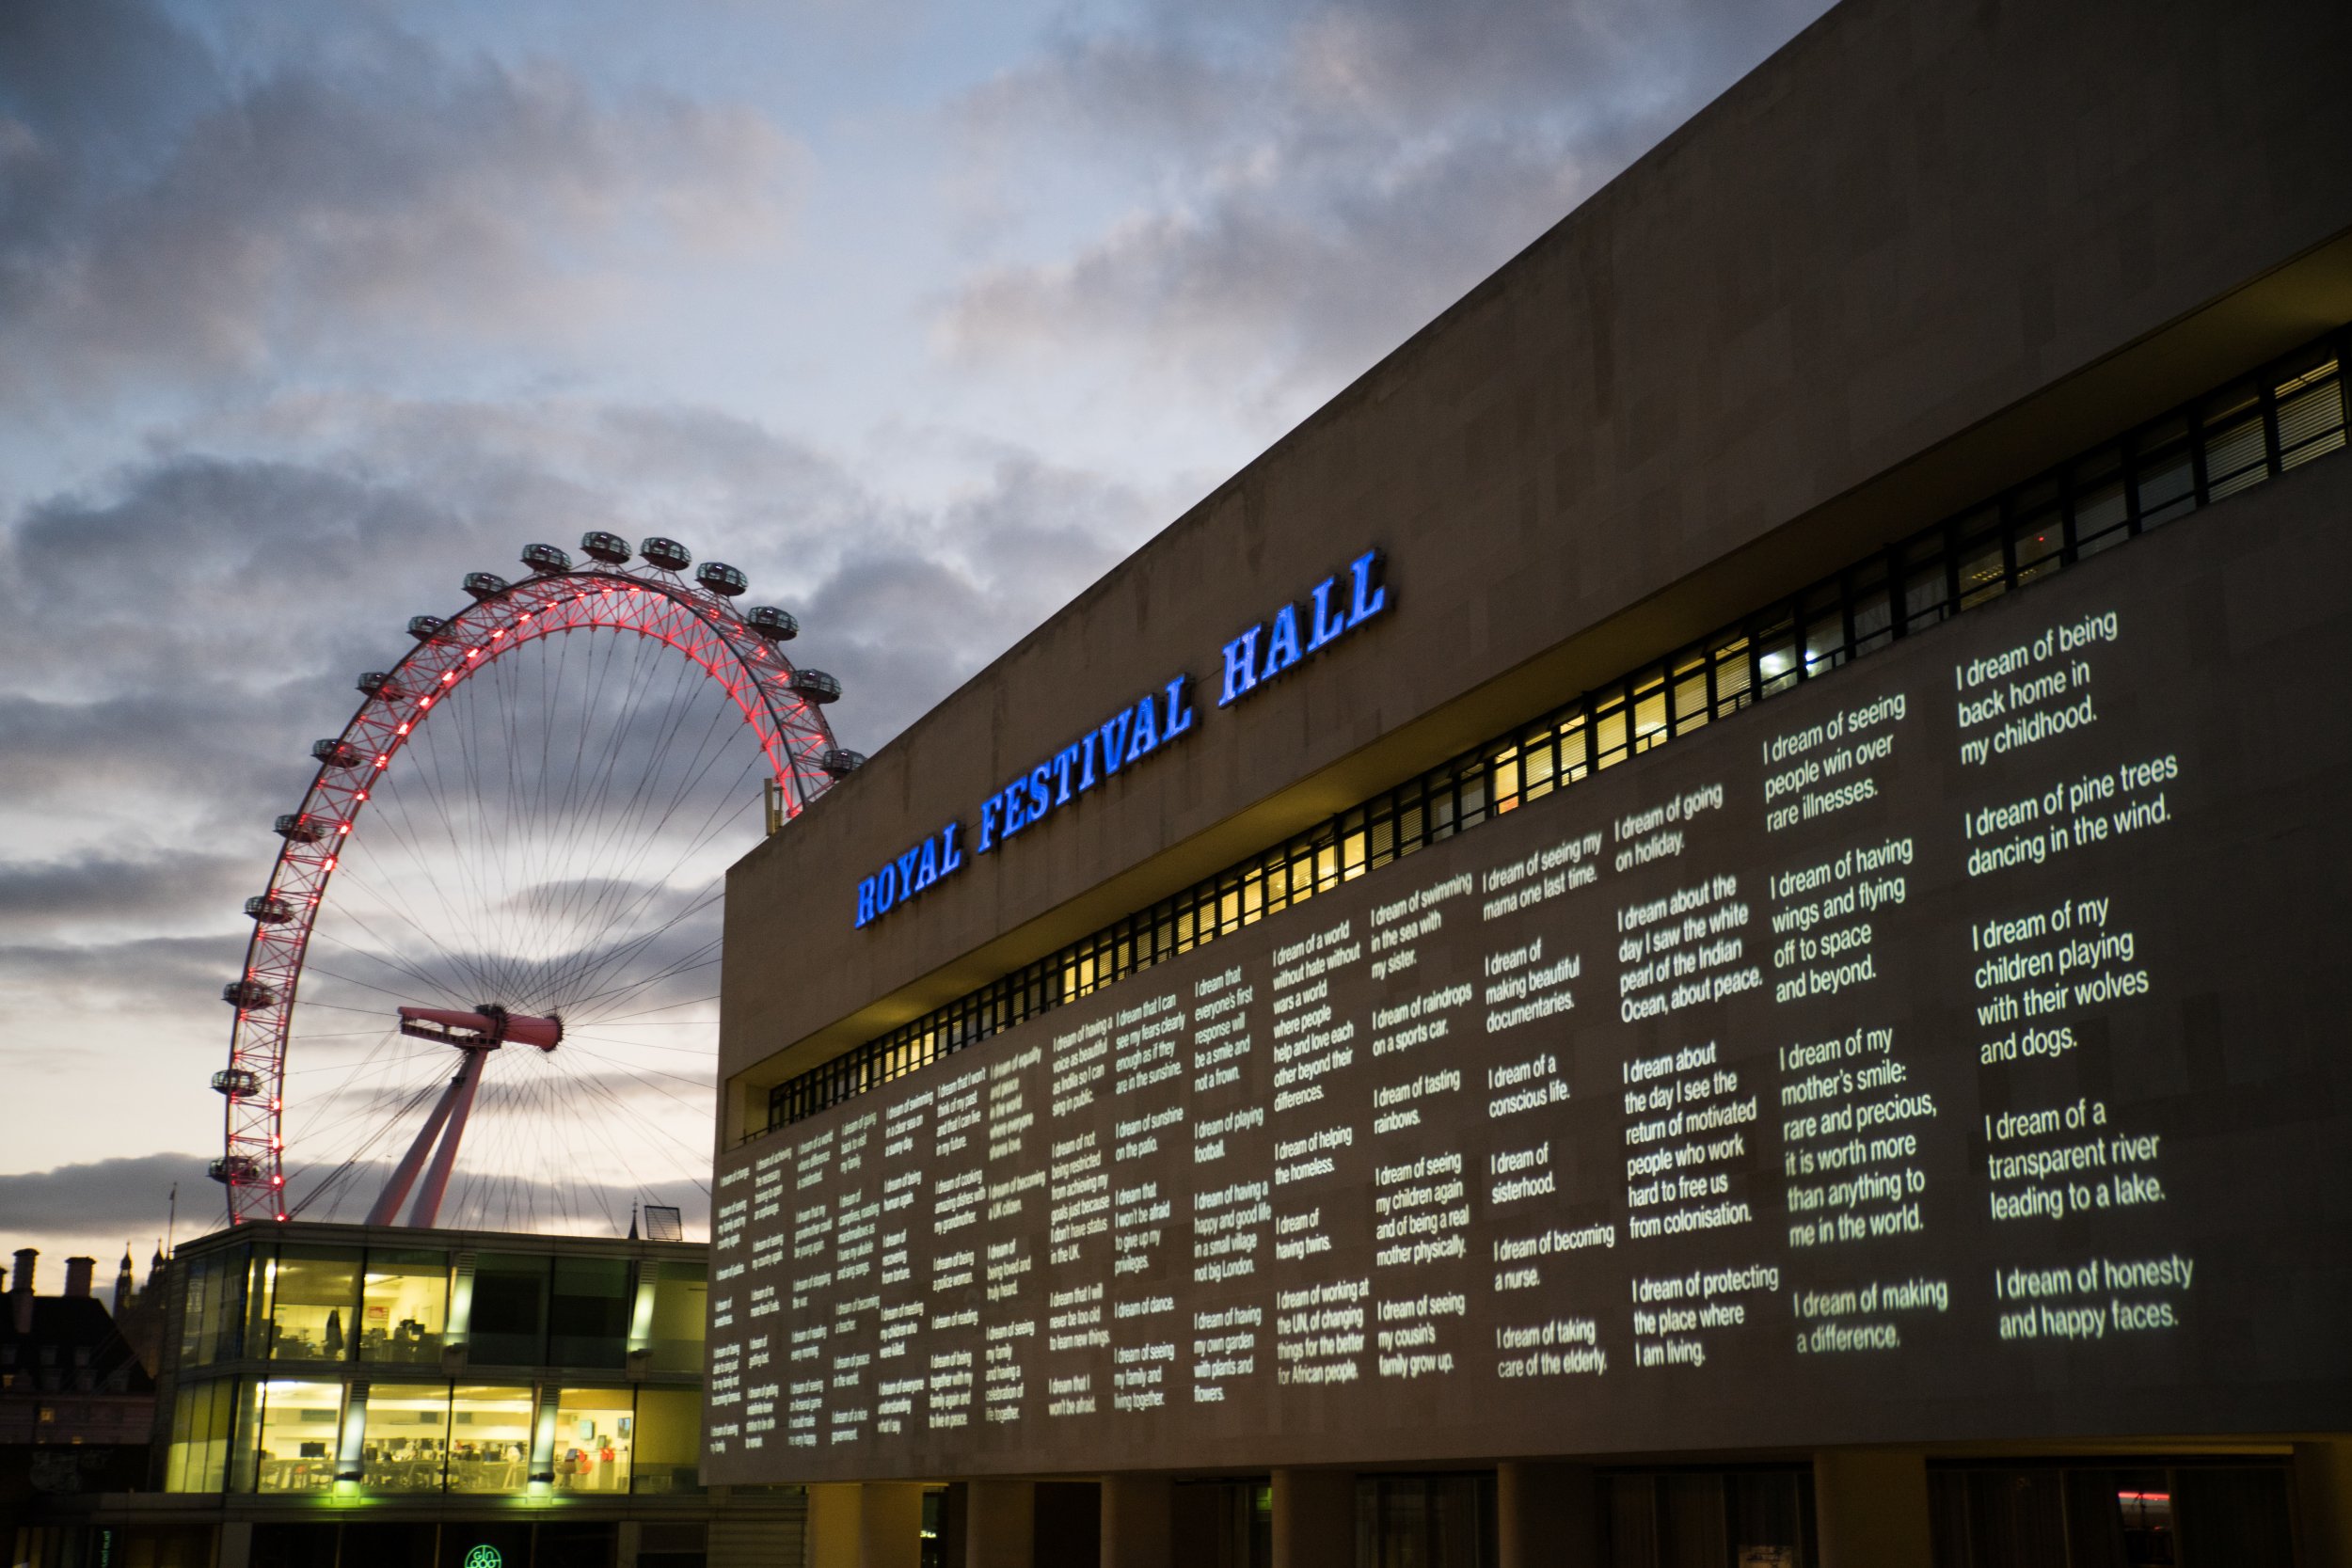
214, 1314
595, 1439
404, 1306
406, 1438
298, 1424
489, 1439
668, 1439
680, 1301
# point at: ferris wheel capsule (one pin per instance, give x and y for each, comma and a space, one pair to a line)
484, 585
721, 578
424, 628
816, 686
296, 827
234, 1167
249, 995
268, 908
336, 752
379, 683
610, 549
546, 559
775, 625
237, 1080
841, 762
666, 554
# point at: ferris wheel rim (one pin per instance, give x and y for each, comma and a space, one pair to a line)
700, 624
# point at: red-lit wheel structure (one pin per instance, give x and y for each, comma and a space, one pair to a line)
517, 919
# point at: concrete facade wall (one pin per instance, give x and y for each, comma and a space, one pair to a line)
1928, 247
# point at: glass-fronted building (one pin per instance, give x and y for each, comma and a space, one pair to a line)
336, 1394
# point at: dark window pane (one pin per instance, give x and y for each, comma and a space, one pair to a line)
510, 1311
588, 1317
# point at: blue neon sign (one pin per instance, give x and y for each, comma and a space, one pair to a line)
1260, 655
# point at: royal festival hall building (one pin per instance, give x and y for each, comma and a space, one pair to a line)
1702, 924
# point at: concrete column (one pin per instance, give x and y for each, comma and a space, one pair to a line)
1870, 1506
1314, 1519
632, 1537
999, 1524
890, 1525
2323, 1504
1547, 1515
236, 1541
1139, 1522
833, 1509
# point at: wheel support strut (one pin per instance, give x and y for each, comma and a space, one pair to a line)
449, 1110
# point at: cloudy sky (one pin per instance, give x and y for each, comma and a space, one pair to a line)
923, 315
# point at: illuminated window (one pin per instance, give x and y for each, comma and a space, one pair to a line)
489, 1439
312, 1305
197, 1459
406, 1440
2146, 1515
594, 1438
404, 1306
299, 1421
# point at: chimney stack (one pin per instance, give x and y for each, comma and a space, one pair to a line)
21, 1295
78, 1274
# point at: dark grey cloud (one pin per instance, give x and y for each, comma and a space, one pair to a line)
115, 79
96, 1206
264, 583
121, 1198
227, 221
1323, 178
50, 991
162, 889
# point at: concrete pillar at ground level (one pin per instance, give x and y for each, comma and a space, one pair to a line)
1547, 1515
2323, 1504
890, 1525
1139, 1521
236, 1542
999, 1524
625, 1548
833, 1525
1314, 1519
1870, 1508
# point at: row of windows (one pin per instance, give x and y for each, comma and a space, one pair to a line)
302, 1435
2255, 429
298, 1303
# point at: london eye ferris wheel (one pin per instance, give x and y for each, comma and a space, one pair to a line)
494, 916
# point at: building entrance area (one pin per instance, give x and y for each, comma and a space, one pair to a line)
2208, 1511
